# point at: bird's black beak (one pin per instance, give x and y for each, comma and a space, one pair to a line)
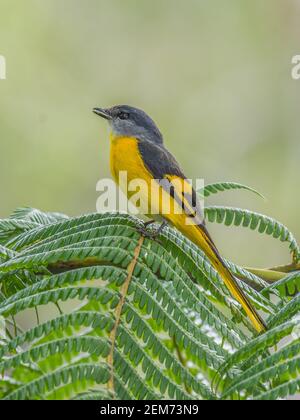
102, 113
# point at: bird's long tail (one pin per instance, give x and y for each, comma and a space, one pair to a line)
202, 238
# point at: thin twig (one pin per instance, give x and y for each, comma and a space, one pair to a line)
37, 315
270, 276
118, 312
287, 268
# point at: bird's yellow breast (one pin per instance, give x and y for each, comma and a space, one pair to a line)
129, 172
125, 157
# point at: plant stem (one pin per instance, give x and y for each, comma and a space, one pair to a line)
118, 312
270, 276
274, 274
287, 268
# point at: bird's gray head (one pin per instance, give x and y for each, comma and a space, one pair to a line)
126, 121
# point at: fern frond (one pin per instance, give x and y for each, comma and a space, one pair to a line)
287, 312
94, 395
91, 345
71, 322
35, 389
259, 345
37, 216
274, 366
11, 228
148, 319
289, 388
288, 286
217, 187
254, 221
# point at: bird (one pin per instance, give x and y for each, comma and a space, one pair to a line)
137, 148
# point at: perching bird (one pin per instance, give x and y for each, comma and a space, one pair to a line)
137, 149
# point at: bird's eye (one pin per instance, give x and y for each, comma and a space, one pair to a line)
123, 115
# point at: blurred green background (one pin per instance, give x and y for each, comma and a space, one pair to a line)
215, 75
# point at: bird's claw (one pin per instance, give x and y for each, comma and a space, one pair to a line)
151, 234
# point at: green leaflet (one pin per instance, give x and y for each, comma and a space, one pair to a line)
179, 326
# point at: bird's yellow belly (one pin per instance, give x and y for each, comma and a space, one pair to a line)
134, 179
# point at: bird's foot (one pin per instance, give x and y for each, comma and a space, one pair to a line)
152, 234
